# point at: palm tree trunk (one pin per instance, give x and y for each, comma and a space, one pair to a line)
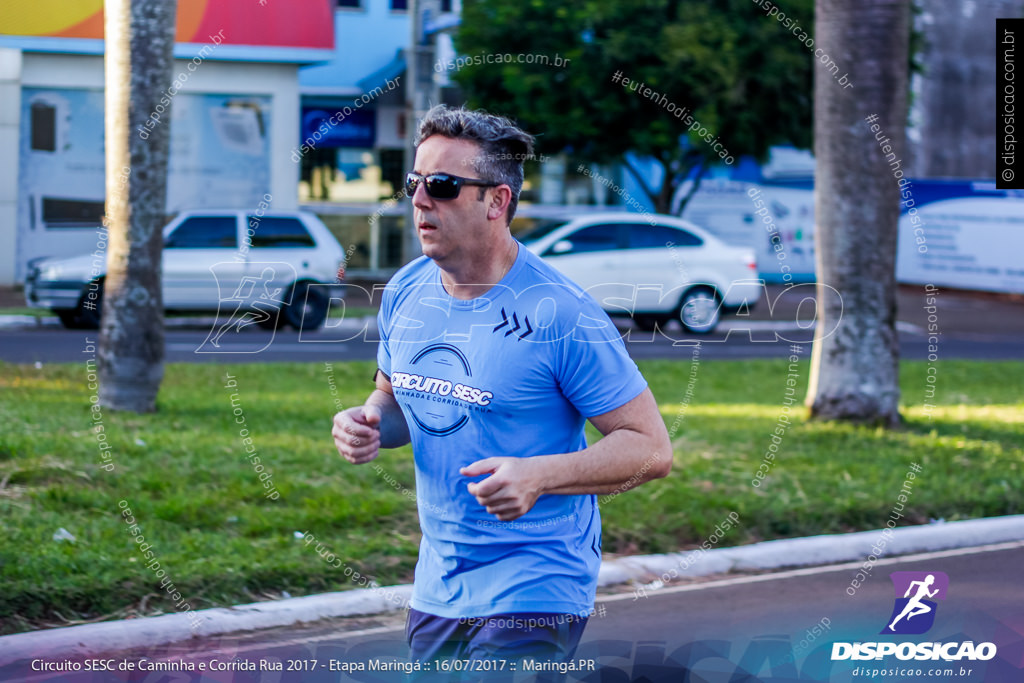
138, 63
854, 371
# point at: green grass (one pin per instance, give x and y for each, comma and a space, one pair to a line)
337, 311
198, 501
25, 310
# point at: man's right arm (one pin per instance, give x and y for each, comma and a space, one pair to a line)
359, 433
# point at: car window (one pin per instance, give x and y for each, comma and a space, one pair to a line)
278, 232
538, 231
593, 238
661, 236
205, 232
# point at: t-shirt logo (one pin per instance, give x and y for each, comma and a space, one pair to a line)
513, 326
440, 394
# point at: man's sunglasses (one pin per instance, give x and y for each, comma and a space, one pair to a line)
441, 185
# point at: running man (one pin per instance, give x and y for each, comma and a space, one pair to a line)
490, 363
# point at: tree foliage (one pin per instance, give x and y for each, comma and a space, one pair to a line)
739, 73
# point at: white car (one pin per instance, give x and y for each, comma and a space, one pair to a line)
279, 265
653, 268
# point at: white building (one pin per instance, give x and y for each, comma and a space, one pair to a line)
234, 117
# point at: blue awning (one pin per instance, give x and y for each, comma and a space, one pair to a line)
388, 72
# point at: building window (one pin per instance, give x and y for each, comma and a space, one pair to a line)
72, 213
446, 5
392, 167
44, 127
350, 4
399, 5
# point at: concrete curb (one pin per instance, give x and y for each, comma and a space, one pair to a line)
93, 639
27, 321
814, 550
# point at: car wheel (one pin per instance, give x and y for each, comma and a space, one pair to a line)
699, 310
274, 322
648, 322
90, 307
307, 307
69, 318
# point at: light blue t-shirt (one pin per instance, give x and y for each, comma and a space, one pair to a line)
514, 372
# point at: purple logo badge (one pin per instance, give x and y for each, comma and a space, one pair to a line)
916, 592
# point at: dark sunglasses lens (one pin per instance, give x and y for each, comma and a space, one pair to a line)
441, 186
412, 181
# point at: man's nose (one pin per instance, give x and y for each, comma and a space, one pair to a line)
420, 198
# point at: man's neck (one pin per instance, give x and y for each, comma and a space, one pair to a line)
476, 278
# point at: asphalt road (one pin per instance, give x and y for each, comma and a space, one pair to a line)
971, 325
735, 339
770, 628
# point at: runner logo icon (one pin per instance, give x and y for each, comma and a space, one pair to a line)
914, 609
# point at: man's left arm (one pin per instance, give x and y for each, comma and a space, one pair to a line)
635, 449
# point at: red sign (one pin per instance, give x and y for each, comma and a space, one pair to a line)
277, 23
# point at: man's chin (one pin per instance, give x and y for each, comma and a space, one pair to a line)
430, 249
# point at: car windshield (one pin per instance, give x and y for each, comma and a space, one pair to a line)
538, 231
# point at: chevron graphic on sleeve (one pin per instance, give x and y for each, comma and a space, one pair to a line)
514, 325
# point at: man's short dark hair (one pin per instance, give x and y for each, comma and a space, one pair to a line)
503, 145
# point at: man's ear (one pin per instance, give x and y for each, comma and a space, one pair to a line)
501, 197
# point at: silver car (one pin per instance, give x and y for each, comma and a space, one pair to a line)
652, 268
278, 264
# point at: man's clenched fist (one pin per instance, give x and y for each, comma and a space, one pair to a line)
356, 433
